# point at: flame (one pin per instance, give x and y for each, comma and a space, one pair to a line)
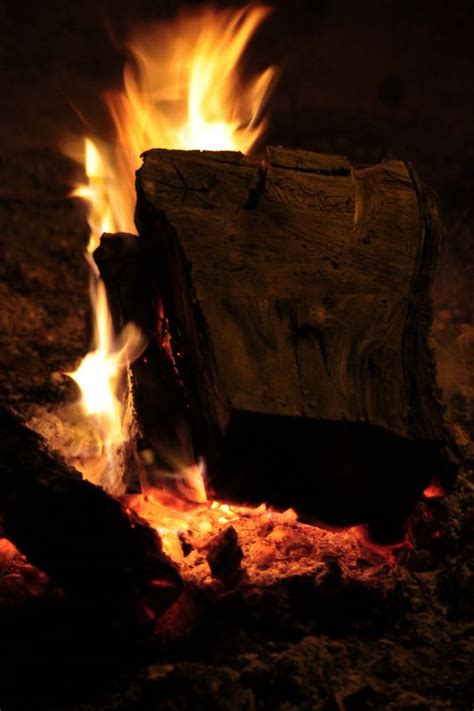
108, 212
182, 90
100, 373
172, 519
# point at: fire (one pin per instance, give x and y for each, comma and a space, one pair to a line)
182, 90
100, 374
108, 212
198, 523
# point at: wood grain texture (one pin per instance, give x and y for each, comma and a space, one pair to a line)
296, 287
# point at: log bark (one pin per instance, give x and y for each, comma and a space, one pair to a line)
300, 289
77, 534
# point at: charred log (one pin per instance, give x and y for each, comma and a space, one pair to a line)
77, 534
298, 299
158, 393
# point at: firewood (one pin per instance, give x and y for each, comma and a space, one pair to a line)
158, 393
298, 296
76, 533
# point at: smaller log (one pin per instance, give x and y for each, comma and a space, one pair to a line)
76, 533
160, 402
126, 273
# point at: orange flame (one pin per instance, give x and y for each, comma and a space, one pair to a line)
108, 212
181, 91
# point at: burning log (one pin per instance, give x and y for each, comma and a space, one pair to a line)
297, 299
159, 397
76, 533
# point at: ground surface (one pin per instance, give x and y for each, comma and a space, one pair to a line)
364, 79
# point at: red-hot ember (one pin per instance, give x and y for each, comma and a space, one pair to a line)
434, 491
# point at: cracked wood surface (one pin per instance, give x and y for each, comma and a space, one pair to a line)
300, 287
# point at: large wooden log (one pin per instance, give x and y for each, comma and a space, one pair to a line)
76, 533
300, 289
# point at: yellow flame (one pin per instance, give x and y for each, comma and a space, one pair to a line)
108, 211
182, 90
100, 374
182, 87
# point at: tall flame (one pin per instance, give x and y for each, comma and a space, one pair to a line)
181, 91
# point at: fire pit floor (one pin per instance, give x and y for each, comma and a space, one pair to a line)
313, 620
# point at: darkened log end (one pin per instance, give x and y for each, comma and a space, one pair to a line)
77, 534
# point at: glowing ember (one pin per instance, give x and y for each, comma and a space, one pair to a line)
434, 491
275, 545
174, 519
182, 90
